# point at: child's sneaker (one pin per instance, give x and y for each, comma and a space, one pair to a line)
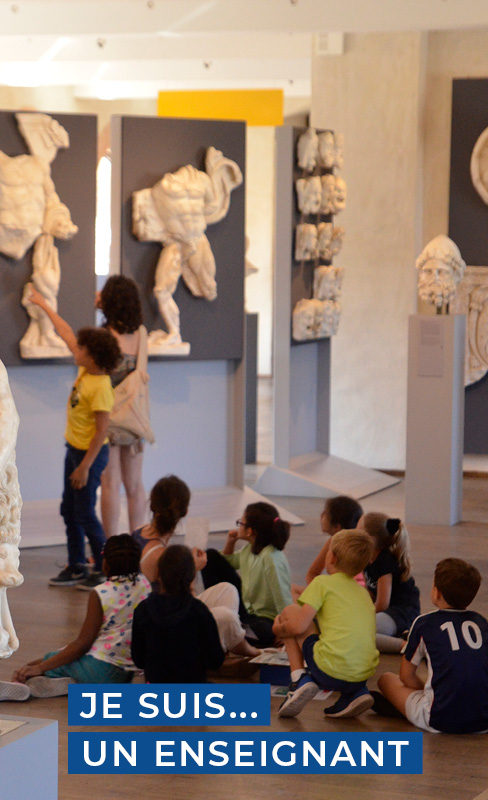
383, 707
299, 693
14, 691
42, 686
94, 579
350, 705
69, 577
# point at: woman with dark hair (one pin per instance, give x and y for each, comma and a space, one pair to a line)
264, 583
121, 306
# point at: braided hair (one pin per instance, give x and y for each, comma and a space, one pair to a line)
122, 555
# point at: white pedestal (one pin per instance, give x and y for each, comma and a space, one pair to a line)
29, 759
435, 419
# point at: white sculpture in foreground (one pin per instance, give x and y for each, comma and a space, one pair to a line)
10, 506
31, 213
176, 212
440, 270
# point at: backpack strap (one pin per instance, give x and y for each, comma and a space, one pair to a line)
142, 351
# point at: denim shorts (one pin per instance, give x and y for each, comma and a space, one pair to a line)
326, 682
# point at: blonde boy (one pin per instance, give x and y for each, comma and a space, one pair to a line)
342, 655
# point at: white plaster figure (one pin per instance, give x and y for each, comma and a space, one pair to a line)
472, 300
327, 149
440, 269
327, 282
324, 239
315, 319
327, 204
31, 213
340, 194
309, 192
10, 506
176, 212
479, 166
339, 150
305, 242
307, 148
327, 318
337, 241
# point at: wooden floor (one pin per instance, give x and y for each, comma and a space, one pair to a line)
454, 766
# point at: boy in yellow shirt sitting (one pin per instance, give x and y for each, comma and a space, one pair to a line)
96, 353
342, 655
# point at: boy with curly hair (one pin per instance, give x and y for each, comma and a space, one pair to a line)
96, 353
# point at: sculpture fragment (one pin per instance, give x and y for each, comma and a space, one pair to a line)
307, 149
440, 270
10, 506
309, 192
176, 212
305, 242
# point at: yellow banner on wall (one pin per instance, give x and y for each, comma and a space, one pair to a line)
256, 107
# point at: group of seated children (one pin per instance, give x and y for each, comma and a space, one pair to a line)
332, 632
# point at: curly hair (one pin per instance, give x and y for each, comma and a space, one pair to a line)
121, 304
102, 346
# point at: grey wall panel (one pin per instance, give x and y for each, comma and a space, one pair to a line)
468, 226
150, 147
74, 174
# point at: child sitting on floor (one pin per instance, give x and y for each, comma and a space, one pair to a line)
340, 513
454, 643
342, 655
174, 636
101, 651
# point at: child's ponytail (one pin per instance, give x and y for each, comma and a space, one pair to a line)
390, 533
269, 528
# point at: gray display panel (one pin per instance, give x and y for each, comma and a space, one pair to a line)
74, 174
149, 148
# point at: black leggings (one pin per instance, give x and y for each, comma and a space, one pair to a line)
218, 570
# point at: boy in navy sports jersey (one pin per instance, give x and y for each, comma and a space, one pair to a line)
454, 642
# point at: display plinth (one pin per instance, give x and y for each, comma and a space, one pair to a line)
302, 465
435, 419
29, 759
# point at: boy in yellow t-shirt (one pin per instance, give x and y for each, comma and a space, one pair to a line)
343, 655
96, 353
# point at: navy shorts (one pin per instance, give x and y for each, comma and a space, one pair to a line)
326, 682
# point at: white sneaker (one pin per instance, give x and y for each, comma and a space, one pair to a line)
14, 691
299, 693
42, 686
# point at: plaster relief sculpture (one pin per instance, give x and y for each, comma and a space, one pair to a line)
10, 506
327, 282
339, 150
309, 192
479, 166
472, 300
329, 241
307, 149
176, 212
31, 213
440, 270
334, 194
327, 150
305, 242
315, 319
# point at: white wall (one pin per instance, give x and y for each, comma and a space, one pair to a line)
260, 155
373, 94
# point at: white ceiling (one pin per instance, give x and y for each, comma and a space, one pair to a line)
133, 48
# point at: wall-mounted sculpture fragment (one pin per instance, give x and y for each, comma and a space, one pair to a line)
305, 242
176, 212
479, 166
472, 300
307, 149
31, 213
309, 193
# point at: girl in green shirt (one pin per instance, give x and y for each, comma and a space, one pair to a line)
264, 582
